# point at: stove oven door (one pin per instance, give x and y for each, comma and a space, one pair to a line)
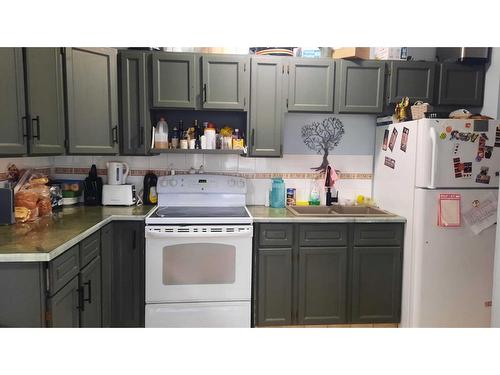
198, 263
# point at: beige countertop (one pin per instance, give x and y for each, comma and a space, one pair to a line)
267, 215
50, 236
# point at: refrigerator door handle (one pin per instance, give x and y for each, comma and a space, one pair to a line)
433, 156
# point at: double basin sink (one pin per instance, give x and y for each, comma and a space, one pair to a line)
338, 210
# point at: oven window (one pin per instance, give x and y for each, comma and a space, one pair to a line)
199, 263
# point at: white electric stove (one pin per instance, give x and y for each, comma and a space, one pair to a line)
199, 253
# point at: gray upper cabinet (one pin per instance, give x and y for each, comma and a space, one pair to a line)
45, 100
414, 79
12, 113
359, 86
135, 122
225, 81
310, 85
92, 100
174, 80
266, 106
460, 84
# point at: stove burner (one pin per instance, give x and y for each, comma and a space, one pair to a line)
208, 212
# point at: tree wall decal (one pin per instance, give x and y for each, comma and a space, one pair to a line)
323, 137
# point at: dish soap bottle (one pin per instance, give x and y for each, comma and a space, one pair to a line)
314, 197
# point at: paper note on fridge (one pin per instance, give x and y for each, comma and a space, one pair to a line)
484, 215
449, 210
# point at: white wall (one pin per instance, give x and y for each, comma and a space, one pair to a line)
491, 105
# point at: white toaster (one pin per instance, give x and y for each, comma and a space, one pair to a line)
118, 195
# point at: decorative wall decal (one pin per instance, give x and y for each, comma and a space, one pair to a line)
323, 137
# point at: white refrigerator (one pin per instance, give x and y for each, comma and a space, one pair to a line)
447, 267
495, 309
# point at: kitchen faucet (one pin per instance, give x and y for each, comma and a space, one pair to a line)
329, 182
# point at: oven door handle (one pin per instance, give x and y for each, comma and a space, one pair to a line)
160, 235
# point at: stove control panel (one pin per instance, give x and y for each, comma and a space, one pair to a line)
201, 183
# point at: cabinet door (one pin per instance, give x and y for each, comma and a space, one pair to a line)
322, 285
45, 96
92, 99
376, 285
274, 287
135, 123
310, 85
12, 113
266, 106
90, 282
225, 81
63, 307
174, 76
106, 273
359, 86
414, 79
461, 84
128, 305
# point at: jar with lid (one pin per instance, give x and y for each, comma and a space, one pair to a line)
277, 199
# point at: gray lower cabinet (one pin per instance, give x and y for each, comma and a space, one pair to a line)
174, 80
135, 122
45, 100
460, 84
92, 100
359, 86
64, 306
225, 81
127, 291
274, 286
267, 106
322, 283
13, 112
376, 284
90, 289
414, 79
328, 274
310, 85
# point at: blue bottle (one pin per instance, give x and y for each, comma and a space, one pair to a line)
277, 193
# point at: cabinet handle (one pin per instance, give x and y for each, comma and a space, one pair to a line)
89, 299
141, 135
114, 132
253, 138
205, 93
25, 127
81, 300
37, 120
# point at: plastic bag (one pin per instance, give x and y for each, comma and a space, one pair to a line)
43, 191
26, 198
38, 179
44, 207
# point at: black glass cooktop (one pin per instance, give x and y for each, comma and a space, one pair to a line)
183, 211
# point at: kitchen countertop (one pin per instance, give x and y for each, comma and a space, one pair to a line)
264, 214
50, 236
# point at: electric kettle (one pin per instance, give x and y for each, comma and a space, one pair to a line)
117, 172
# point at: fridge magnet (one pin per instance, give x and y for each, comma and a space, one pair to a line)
497, 137
483, 214
484, 136
464, 137
323, 137
404, 139
454, 135
488, 150
391, 163
473, 137
481, 148
483, 177
442, 135
386, 139
467, 125
449, 210
394, 136
455, 148
458, 167
467, 170
449, 129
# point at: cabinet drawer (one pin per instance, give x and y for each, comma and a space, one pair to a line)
63, 268
323, 235
378, 235
90, 248
275, 234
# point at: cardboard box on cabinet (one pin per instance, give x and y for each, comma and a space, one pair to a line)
351, 53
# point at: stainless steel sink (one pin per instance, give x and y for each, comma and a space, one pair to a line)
337, 210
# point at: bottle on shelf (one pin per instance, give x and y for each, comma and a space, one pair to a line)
175, 137
161, 134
